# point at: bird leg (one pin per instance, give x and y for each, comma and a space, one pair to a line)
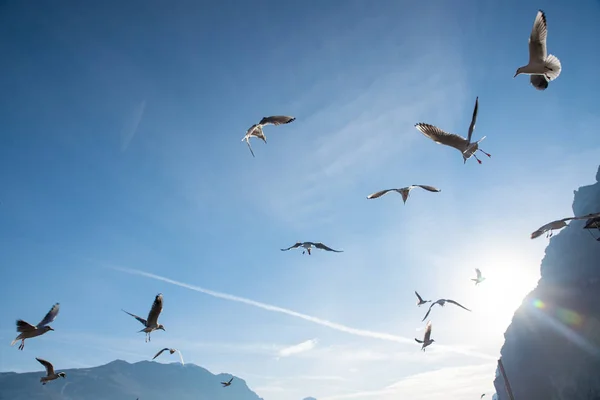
478, 160
309, 252
487, 154
22, 345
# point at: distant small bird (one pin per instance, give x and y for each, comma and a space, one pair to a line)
228, 383
426, 338
151, 324
404, 192
479, 278
50, 374
28, 331
542, 67
482, 396
465, 146
420, 300
308, 245
171, 351
256, 130
442, 302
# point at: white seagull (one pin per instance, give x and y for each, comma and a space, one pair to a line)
479, 278
256, 130
28, 331
50, 374
420, 300
151, 324
427, 340
465, 146
542, 67
404, 192
442, 302
308, 245
559, 224
171, 351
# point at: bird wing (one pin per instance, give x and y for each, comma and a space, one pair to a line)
427, 187
323, 247
51, 316
419, 297
429, 310
49, 367
160, 352
298, 244
540, 82
454, 302
537, 39
276, 120
427, 332
142, 320
441, 137
251, 130
478, 272
155, 310
250, 147
381, 193
23, 326
592, 223
230, 380
473, 120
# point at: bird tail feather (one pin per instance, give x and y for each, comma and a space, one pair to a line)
553, 67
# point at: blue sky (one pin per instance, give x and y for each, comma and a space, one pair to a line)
120, 148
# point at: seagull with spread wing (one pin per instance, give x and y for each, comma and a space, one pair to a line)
228, 383
151, 324
28, 331
427, 340
404, 192
542, 67
479, 278
420, 300
171, 351
559, 224
465, 146
442, 302
256, 130
308, 245
50, 374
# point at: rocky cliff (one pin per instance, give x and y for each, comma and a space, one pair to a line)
552, 347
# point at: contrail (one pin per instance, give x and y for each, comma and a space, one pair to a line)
310, 318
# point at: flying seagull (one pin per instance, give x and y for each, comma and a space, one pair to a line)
404, 192
482, 396
308, 245
28, 331
542, 67
256, 130
426, 338
420, 300
442, 302
171, 351
151, 324
50, 374
228, 383
465, 146
479, 278
559, 224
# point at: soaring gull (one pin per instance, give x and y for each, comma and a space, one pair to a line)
427, 340
308, 245
442, 302
151, 324
50, 374
404, 192
256, 130
28, 331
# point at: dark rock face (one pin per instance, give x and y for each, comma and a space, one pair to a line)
120, 380
552, 347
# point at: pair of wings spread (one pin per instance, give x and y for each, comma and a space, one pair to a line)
23, 326
153, 314
317, 245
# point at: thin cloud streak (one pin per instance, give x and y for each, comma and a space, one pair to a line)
318, 321
130, 129
303, 347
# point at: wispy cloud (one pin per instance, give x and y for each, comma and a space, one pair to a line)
319, 321
131, 126
303, 347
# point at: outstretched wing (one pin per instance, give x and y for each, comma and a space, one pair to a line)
427, 332
537, 39
441, 137
50, 316
381, 193
142, 320
276, 120
478, 272
429, 310
473, 120
23, 326
429, 188
155, 310
540, 82
592, 223
454, 302
419, 297
49, 367
160, 352
298, 244
323, 247
250, 147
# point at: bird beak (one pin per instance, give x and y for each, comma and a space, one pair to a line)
516, 73
50, 328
